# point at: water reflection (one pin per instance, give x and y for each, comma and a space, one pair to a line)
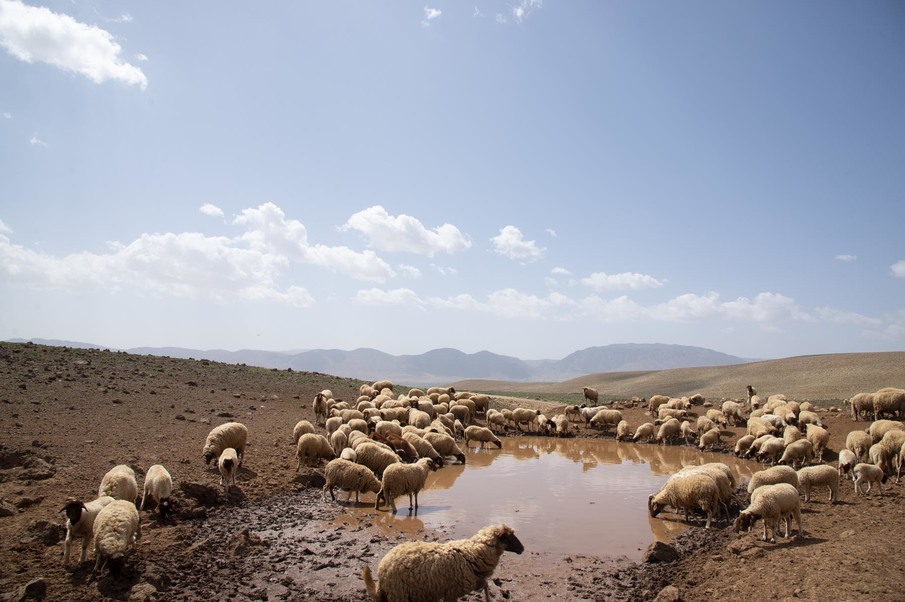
569, 496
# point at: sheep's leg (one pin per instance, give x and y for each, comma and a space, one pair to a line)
144, 496
66, 545
84, 555
798, 520
410, 501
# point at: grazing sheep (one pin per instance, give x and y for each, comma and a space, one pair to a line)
495, 420
847, 461
893, 441
664, 413
623, 430
709, 439
668, 431
742, 445
697, 399
398, 444
772, 476
524, 416
421, 570
771, 450
333, 424
859, 443
159, 485
482, 434
375, 457
808, 417
819, 437
880, 457
772, 503
80, 523
481, 403
648, 431
878, 428
655, 402
687, 432
338, 441
704, 424
561, 425
401, 479
311, 448
798, 453
349, 454
445, 445
606, 418
228, 465
349, 476
861, 404
870, 474
717, 416
758, 427
424, 449
687, 492
734, 412
230, 434
590, 394
301, 427
889, 401
790, 434
116, 528
119, 483
812, 476
319, 405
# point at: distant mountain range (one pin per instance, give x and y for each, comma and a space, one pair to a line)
449, 365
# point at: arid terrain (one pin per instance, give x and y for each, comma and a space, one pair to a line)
69, 415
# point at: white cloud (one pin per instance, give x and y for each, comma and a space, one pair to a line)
510, 243
842, 317
561, 272
399, 296
445, 270
142, 58
477, 12
32, 33
7, 115
501, 18
124, 18
36, 141
4, 229
429, 15
269, 230
846, 258
409, 271
599, 281
404, 233
524, 8
211, 210
551, 232
898, 269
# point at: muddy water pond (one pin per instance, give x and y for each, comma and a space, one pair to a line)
566, 496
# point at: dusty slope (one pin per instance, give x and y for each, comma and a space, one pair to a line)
69, 415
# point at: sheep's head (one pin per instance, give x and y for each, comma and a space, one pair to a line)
460, 458
209, 456
165, 506
745, 521
431, 464
73, 510
654, 508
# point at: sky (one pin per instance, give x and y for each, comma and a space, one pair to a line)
526, 177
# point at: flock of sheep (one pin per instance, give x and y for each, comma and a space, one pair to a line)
387, 444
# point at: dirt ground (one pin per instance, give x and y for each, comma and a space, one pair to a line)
68, 415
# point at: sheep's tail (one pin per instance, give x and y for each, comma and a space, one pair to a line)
372, 586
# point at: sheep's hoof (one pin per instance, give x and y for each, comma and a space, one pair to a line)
772, 540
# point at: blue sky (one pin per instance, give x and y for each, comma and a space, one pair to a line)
525, 177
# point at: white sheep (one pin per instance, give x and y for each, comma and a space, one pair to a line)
859, 443
878, 428
401, 479
819, 437
808, 417
879, 456
561, 425
320, 407
116, 529
870, 474
230, 434
771, 450
687, 492
655, 402
349, 476
648, 431
524, 416
742, 445
847, 461
822, 475
790, 434
119, 483
668, 431
228, 465
623, 430
158, 485
889, 401
734, 412
349, 454
80, 524
338, 441
605, 418
710, 439
445, 445
861, 403
772, 503
772, 476
798, 453
424, 449
376, 457
591, 395
495, 420
301, 427
421, 570
482, 434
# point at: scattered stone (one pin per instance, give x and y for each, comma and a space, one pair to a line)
670, 593
752, 553
45, 532
143, 592
204, 494
224, 415
33, 590
180, 417
660, 552
242, 541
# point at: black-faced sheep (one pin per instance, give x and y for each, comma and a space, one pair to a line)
119, 483
231, 434
401, 479
481, 434
349, 476
116, 528
421, 571
158, 486
80, 523
772, 503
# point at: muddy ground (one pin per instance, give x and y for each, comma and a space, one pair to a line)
67, 416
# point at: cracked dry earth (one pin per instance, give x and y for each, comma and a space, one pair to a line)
69, 415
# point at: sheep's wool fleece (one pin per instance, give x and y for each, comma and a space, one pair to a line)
427, 571
115, 528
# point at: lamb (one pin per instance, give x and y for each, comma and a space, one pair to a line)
228, 465
419, 570
119, 483
313, 447
482, 434
116, 529
859, 443
819, 437
772, 503
80, 523
159, 485
687, 492
606, 418
709, 439
401, 479
590, 394
376, 458
870, 474
648, 431
847, 461
230, 434
798, 453
523, 415
319, 405
623, 430
301, 427
445, 445
812, 476
771, 476
349, 476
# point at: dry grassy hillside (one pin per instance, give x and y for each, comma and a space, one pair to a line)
810, 377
